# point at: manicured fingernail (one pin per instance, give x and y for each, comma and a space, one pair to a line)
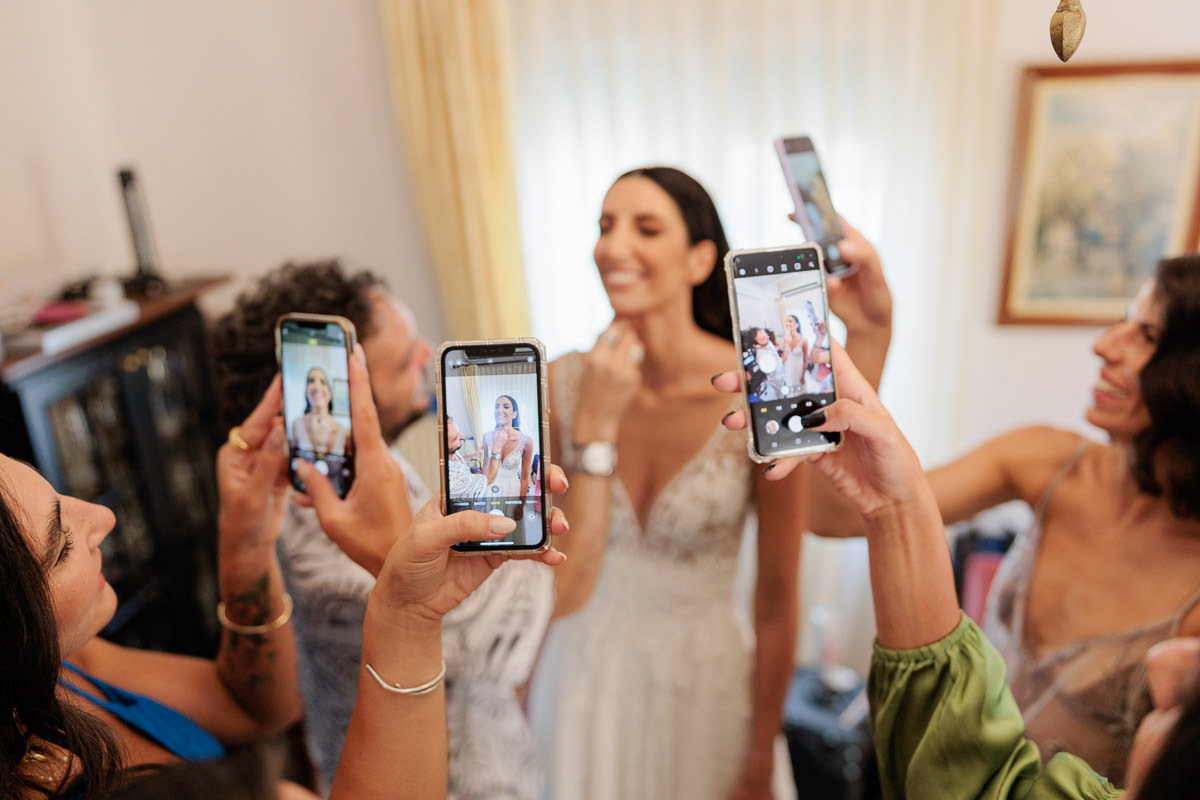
768, 468
713, 379
501, 525
813, 420
728, 415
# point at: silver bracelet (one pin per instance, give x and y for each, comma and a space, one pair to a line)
257, 630
395, 688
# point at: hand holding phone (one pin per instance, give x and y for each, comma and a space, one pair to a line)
780, 325
368, 525
313, 352
494, 437
814, 207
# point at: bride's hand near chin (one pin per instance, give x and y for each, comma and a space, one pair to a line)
611, 376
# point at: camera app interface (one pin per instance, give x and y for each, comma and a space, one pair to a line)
316, 398
818, 207
493, 438
785, 345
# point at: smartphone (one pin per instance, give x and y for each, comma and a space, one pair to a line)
781, 328
494, 438
314, 359
810, 193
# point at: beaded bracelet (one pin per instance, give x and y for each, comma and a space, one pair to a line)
257, 630
395, 688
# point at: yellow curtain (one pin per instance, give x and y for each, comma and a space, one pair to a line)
449, 69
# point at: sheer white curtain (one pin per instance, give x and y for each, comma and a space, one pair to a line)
891, 92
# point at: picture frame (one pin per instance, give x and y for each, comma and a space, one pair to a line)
1105, 182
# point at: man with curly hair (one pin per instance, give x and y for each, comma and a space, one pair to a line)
328, 589
489, 641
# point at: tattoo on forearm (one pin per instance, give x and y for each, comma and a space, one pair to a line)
248, 656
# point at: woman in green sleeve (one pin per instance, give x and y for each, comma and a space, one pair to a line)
945, 723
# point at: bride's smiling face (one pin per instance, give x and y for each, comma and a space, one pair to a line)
643, 251
317, 390
504, 411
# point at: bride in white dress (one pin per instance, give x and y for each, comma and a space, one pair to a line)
512, 448
651, 689
649, 685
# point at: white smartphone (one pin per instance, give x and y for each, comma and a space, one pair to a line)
781, 327
313, 352
814, 207
494, 436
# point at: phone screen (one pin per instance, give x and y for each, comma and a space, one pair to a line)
824, 226
784, 339
493, 424
313, 357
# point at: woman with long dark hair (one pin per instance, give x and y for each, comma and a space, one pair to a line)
1111, 565
944, 720
649, 689
81, 711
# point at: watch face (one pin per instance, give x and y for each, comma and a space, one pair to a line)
599, 458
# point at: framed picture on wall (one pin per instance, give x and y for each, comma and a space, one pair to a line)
1105, 182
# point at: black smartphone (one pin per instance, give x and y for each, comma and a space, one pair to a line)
314, 358
494, 436
781, 328
810, 193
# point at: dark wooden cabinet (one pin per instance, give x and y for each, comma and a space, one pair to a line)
128, 420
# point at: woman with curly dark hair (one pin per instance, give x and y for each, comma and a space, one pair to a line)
1111, 565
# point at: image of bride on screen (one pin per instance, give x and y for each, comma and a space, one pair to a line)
316, 430
508, 446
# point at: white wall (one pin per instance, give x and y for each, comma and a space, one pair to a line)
260, 132
1015, 375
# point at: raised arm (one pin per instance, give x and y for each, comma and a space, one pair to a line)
608, 381
250, 689
937, 688
396, 742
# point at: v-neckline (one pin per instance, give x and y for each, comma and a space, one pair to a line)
684, 468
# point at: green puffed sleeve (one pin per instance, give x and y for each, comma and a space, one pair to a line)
947, 727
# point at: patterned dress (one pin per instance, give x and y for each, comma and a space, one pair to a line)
645, 693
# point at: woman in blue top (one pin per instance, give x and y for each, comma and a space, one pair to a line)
84, 709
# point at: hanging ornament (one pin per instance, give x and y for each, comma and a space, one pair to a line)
1066, 28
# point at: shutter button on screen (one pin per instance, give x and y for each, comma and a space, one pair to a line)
793, 422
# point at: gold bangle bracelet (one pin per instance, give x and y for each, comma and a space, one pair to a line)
415, 691
257, 630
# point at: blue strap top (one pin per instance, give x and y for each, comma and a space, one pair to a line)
157, 722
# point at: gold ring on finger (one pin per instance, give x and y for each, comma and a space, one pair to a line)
235, 439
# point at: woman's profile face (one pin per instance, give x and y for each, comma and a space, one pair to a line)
643, 253
1124, 349
789, 324
505, 414
317, 389
1172, 668
64, 534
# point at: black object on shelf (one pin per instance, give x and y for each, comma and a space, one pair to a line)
146, 282
127, 420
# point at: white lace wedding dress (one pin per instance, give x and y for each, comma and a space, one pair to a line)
645, 693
